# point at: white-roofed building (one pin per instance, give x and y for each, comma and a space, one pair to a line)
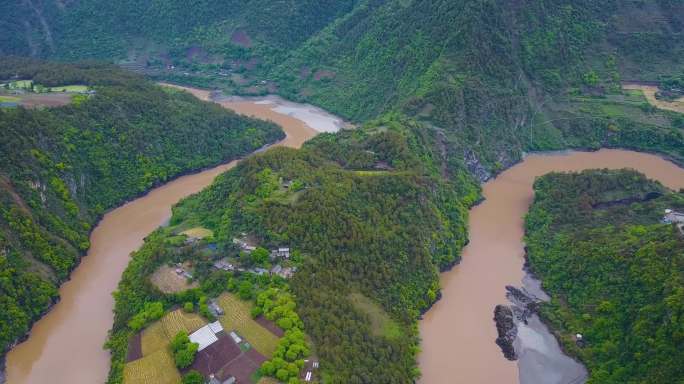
204, 336
235, 337
216, 327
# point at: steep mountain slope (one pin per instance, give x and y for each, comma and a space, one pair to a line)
499, 77
168, 29
496, 77
61, 168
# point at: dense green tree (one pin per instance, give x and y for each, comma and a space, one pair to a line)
193, 377
614, 271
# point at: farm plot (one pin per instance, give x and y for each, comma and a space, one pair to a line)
158, 335
238, 317
168, 281
158, 368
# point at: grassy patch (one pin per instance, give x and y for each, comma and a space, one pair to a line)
9, 99
381, 323
167, 280
158, 368
20, 84
198, 232
69, 88
238, 317
373, 173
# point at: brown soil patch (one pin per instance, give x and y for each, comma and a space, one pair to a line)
168, 281
34, 100
324, 74
134, 347
241, 38
255, 356
650, 91
214, 357
6, 184
271, 326
241, 368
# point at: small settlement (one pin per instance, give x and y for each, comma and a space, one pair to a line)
16, 92
230, 349
233, 347
673, 217
278, 257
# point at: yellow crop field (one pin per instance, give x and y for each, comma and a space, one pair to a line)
153, 339
178, 320
158, 368
158, 335
238, 318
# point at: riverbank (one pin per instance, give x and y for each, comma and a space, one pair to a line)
458, 332
84, 313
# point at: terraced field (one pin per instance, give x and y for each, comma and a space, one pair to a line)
238, 317
158, 335
158, 368
157, 365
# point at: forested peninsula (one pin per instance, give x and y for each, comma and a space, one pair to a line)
371, 221
62, 168
614, 270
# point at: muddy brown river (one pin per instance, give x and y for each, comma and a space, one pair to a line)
458, 333
65, 346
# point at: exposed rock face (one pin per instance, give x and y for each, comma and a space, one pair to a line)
505, 326
475, 167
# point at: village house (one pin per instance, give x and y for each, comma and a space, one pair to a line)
206, 335
237, 339
259, 271
280, 252
284, 272
214, 380
224, 265
673, 217
244, 245
215, 309
182, 272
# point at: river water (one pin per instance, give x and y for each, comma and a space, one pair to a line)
65, 346
458, 333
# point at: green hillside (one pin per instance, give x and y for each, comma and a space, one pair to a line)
370, 243
615, 272
62, 168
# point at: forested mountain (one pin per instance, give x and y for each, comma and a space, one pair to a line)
615, 272
61, 168
496, 77
167, 29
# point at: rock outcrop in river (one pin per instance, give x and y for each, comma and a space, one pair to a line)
524, 337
